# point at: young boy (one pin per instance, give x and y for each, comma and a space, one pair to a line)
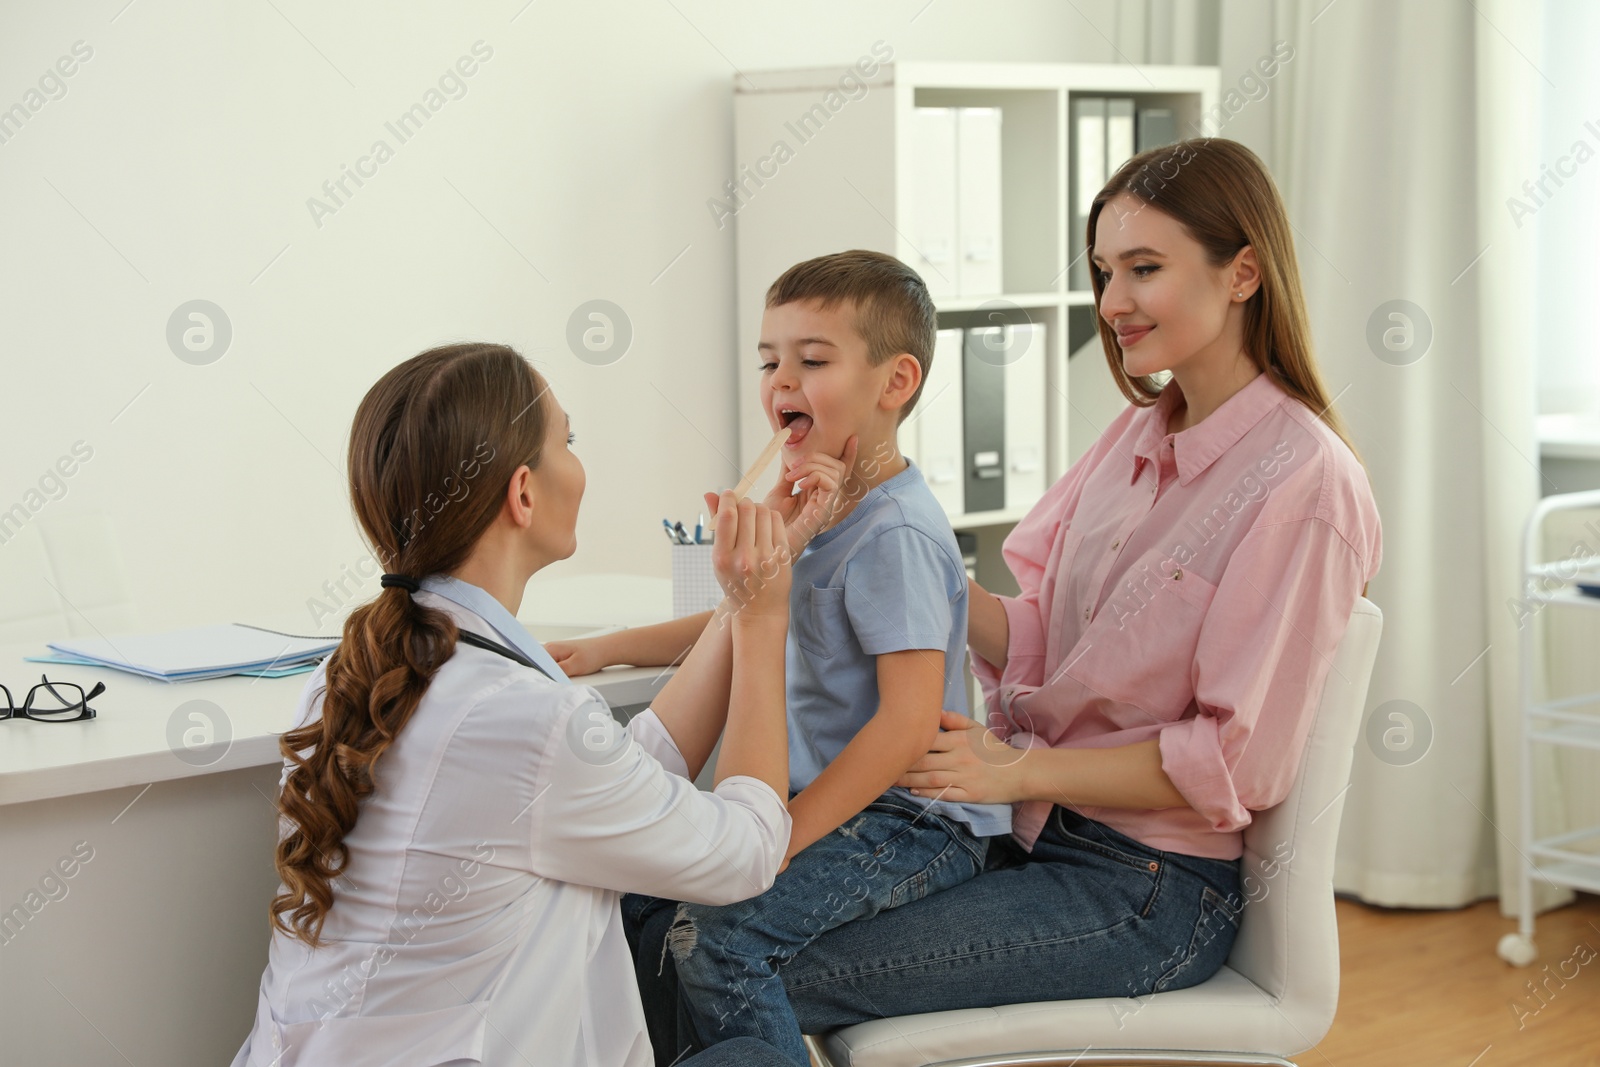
877, 637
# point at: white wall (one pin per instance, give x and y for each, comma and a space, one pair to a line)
178, 164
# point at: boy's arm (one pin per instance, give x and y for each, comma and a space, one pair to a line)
911, 695
657, 645
638, 646
693, 705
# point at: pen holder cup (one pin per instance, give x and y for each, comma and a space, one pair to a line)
694, 582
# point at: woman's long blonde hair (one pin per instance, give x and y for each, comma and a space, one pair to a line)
1222, 194
433, 446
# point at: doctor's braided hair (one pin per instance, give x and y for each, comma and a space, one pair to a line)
433, 446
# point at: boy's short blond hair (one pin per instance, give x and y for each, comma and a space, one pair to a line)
894, 313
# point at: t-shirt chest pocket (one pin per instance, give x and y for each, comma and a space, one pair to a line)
1140, 648
821, 622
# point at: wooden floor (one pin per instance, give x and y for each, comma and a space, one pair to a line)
1425, 988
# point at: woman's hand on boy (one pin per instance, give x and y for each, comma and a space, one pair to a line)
825, 483
968, 764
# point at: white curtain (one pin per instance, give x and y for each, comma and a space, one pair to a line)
1396, 132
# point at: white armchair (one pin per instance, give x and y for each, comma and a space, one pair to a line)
1275, 997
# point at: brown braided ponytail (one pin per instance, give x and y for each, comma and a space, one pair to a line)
433, 446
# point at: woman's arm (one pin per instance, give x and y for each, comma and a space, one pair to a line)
1129, 776
988, 629
970, 764
620, 820
734, 676
756, 741
693, 705
754, 571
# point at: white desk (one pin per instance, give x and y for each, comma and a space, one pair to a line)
151, 951
139, 735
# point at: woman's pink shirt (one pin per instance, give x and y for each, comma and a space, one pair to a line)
1190, 587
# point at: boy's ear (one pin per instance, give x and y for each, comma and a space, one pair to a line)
905, 375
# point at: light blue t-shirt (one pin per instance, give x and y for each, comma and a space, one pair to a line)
886, 579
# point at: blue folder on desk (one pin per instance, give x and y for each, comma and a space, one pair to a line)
201, 652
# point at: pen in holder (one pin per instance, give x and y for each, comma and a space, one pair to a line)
694, 582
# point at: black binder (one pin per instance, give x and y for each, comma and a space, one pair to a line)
983, 383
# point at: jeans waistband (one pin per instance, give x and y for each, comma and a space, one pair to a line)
1213, 870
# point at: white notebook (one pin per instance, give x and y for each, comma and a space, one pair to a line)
201, 652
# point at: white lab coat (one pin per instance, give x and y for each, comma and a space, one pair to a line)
477, 921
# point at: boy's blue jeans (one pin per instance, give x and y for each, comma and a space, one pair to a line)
727, 958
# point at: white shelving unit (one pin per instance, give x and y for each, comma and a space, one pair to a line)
1572, 858
850, 184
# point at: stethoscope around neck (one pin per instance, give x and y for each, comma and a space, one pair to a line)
411, 585
470, 638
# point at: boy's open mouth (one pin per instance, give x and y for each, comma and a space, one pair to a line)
798, 423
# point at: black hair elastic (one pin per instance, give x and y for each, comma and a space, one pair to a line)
389, 581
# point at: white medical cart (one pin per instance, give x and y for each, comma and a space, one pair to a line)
1570, 721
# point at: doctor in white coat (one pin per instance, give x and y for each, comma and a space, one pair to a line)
458, 819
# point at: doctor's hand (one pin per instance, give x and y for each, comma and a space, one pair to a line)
750, 556
824, 483
967, 763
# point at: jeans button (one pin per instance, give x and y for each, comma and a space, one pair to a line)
1154, 866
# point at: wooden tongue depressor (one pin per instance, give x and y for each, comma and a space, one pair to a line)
762, 462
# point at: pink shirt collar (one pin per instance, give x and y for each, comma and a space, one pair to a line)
1197, 447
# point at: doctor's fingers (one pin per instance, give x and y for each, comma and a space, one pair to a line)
845, 471
764, 540
723, 525
745, 538
816, 460
847, 458
812, 474
725, 514
777, 534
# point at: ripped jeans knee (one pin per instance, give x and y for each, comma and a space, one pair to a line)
682, 936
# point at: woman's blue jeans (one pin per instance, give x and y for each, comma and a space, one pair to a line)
1088, 913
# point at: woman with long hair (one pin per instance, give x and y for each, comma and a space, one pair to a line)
1183, 589
457, 819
